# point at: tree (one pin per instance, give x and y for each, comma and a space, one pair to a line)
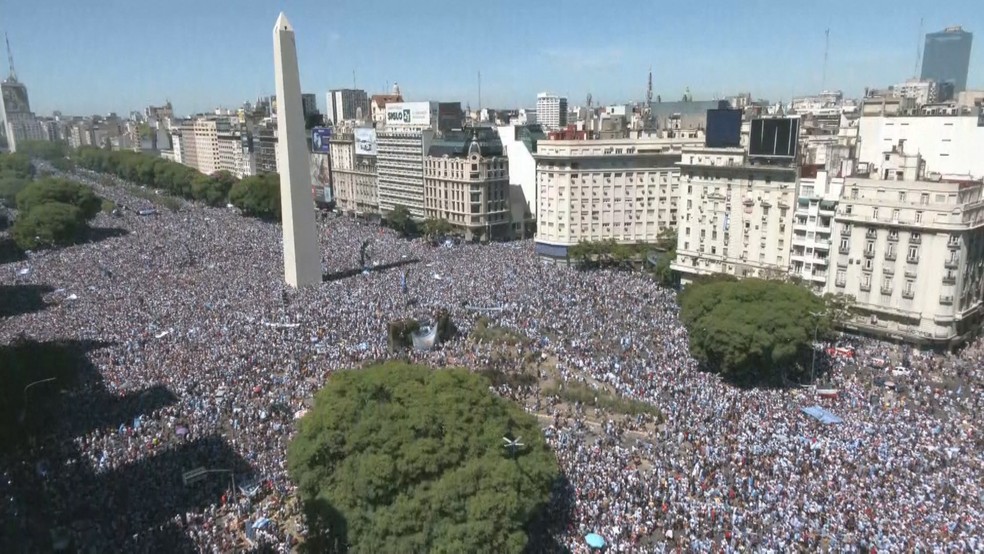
402, 458
400, 220
10, 187
18, 163
751, 331
434, 227
48, 224
258, 196
59, 190
43, 149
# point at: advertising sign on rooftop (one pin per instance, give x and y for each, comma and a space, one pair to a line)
416, 114
320, 137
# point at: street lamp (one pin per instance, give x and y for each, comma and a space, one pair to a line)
23, 412
813, 364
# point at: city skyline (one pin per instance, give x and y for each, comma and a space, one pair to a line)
203, 56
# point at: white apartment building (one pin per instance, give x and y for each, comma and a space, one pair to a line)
949, 144
911, 252
353, 169
551, 111
595, 190
735, 217
813, 229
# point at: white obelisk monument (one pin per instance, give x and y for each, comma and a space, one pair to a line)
302, 257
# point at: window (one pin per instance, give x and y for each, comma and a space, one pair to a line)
918, 217
913, 253
868, 264
845, 244
865, 281
924, 198
901, 196
908, 285
874, 213
869, 247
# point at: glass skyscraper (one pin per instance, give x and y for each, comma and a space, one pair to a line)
946, 57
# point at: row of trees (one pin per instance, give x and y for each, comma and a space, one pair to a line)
757, 331
606, 253
257, 196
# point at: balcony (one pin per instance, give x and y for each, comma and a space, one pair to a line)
841, 282
888, 270
890, 255
952, 263
915, 239
866, 287
887, 291
822, 244
893, 237
946, 300
870, 234
912, 260
869, 253
910, 294
949, 279
844, 249
911, 273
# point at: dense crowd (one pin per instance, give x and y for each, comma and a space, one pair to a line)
194, 301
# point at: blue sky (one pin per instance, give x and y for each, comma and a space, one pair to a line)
96, 56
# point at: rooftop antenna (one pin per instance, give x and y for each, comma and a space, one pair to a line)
354, 85
648, 123
919, 39
826, 53
10, 59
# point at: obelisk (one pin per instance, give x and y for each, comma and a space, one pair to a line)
302, 257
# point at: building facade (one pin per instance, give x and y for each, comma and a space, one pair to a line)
400, 167
946, 57
813, 222
551, 111
736, 217
623, 190
353, 170
949, 144
466, 183
20, 124
911, 253
519, 144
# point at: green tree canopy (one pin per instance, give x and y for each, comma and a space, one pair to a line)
48, 224
751, 331
402, 458
18, 164
10, 187
44, 149
434, 227
258, 196
400, 220
53, 189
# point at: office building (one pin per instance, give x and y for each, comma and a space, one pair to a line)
466, 182
910, 251
735, 215
345, 104
265, 147
355, 181
593, 190
551, 111
309, 105
159, 114
946, 57
20, 124
400, 167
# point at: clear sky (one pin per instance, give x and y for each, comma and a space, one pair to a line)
97, 56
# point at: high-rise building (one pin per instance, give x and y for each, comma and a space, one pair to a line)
946, 57
593, 190
400, 166
309, 104
19, 122
551, 111
344, 104
519, 143
466, 182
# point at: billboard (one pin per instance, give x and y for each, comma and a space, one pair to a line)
319, 139
409, 113
365, 141
776, 137
723, 128
321, 178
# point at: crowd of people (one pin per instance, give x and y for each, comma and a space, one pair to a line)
193, 301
